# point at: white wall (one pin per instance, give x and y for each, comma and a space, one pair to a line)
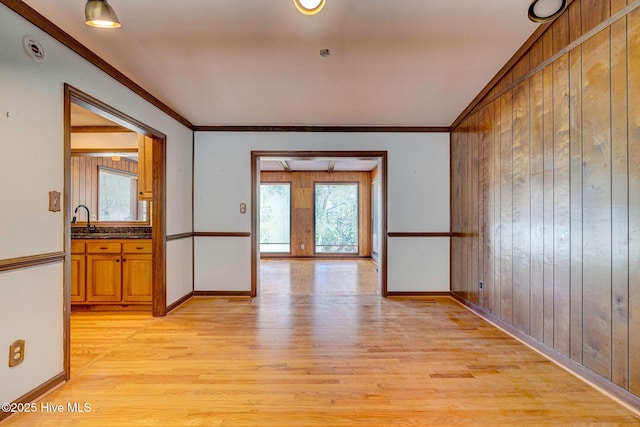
180, 269
32, 164
418, 201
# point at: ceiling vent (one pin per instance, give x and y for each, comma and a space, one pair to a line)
33, 48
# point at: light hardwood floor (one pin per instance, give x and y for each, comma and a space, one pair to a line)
318, 277
286, 359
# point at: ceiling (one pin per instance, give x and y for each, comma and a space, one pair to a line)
257, 62
82, 117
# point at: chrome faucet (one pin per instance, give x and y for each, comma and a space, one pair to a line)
90, 229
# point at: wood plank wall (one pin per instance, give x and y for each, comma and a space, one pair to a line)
84, 180
546, 192
302, 215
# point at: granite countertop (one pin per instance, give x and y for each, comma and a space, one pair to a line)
80, 232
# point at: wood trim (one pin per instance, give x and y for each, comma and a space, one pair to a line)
314, 155
273, 255
159, 229
99, 152
100, 129
420, 234
617, 393
179, 302
255, 181
31, 261
401, 294
384, 187
222, 294
67, 212
36, 393
221, 234
94, 105
507, 67
179, 236
451, 218
385, 129
255, 190
57, 33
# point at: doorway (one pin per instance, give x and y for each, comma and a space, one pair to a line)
308, 244
155, 143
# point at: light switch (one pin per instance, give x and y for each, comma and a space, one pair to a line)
54, 201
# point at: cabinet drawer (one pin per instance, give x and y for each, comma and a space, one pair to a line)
103, 247
136, 247
77, 247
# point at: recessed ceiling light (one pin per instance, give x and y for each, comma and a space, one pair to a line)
546, 10
309, 7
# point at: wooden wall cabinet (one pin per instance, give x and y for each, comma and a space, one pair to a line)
111, 272
145, 168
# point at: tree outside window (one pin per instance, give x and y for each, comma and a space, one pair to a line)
275, 218
336, 218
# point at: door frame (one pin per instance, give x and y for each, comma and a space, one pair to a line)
310, 155
158, 218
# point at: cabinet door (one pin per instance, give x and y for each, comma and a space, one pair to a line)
145, 168
77, 278
104, 278
136, 277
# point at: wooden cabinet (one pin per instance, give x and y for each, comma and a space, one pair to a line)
104, 278
112, 272
77, 282
137, 268
145, 167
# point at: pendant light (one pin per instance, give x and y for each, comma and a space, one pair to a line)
309, 7
99, 13
546, 10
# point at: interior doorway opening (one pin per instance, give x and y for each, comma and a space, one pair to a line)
319, 217
131, 260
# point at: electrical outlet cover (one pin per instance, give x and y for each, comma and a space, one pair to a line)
16, 353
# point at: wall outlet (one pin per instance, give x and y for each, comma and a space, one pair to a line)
16, 353
302, 246
480, 285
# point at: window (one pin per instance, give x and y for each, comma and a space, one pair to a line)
336, 218
275, 218
118, 196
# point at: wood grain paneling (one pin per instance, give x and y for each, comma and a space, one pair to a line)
84, 178
302, 215
506, 207
596, 202
547, 203
497, 163
594, 12
557, 206
521, 208
473, 200
619, 203
575, 148
634, 199
536, 169
561, 206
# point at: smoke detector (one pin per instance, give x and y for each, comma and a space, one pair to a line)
33, 48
